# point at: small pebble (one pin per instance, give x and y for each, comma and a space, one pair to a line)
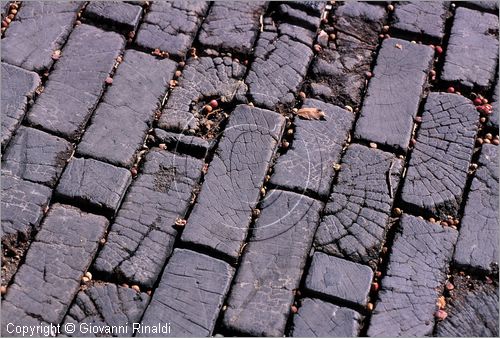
439, 49
484, 101
125, 285
56, 55
3, 290
478, 101
441, 302
451, 90
136, 288
285, 144
88, 275
85, 279
441, 315
178, 73
102, 241
375, 287
323, 38
214, 103
263, 191
432, 72
413, 142
294, 309
488, 136
302, 95
487, 141
332, 36
385, 29
483, 120
496, 141
369, 306
432, 220
133, 171
180, 222
418, 119
390, 8
162, 146
373, 145
398, 212
109, 80
349, 108
368, 75
479, 141
317, 48
449, 286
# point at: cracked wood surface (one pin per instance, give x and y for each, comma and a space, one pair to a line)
18, 86
357, 214
143, 234
154, 168
40, 28
272, 265
437, 171
46, 283
190, 294
221, 217
77, 81
472, 50
419, 261
139, 84
477, 246
394, 93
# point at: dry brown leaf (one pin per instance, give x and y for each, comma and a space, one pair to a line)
311, 113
